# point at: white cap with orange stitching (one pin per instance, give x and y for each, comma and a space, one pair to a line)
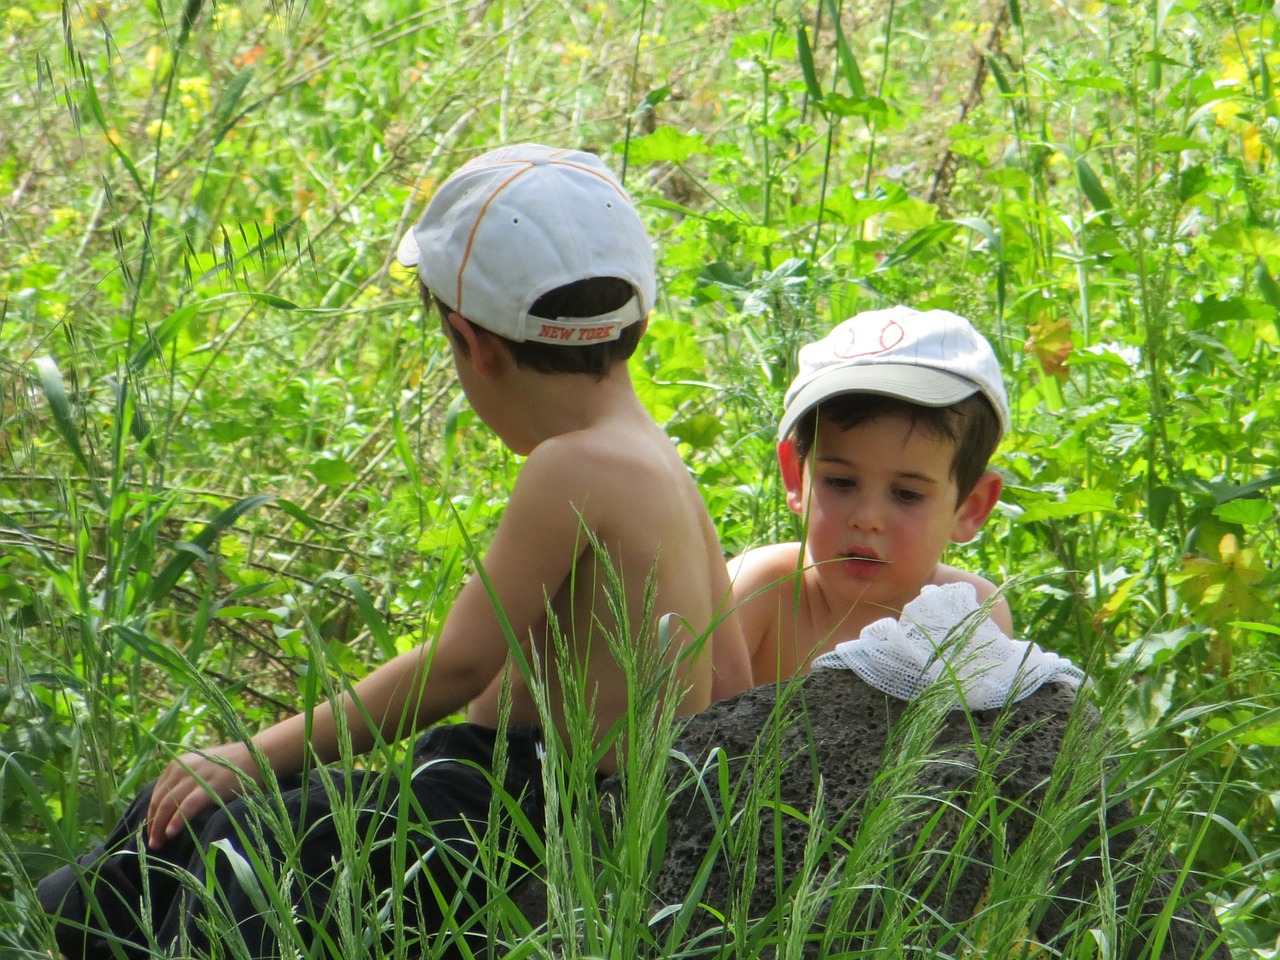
932, 357
521, 221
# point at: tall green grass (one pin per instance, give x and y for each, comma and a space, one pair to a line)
235, 469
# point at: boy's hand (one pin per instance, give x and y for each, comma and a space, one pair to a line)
191, 782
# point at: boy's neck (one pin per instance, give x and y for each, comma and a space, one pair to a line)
531, 407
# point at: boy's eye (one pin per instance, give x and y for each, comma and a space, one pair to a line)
839, 483
908, 496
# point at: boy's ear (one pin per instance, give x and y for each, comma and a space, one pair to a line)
484, 351
976, 507
792, 475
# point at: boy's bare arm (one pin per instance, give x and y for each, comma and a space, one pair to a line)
532, 552
757, 578
730, 658
1000, 613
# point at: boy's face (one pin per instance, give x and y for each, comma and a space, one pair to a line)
880, 506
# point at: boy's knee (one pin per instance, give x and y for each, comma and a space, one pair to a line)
60, 890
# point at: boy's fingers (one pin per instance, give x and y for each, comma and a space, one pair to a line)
163, 815
157, 822
191, 804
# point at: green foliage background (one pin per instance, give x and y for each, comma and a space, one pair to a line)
229, 433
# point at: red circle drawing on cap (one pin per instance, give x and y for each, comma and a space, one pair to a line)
891, 334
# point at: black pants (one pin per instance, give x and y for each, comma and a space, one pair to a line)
123, 899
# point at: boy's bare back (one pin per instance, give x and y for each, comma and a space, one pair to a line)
620, 483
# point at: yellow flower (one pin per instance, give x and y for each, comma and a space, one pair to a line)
1254, 150
226, 18
18, 19
194, 96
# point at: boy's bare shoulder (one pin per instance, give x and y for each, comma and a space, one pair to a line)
629, 488
765, 569
630, 466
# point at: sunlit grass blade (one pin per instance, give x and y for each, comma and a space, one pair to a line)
187, 554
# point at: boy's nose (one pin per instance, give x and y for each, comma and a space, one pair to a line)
866, 515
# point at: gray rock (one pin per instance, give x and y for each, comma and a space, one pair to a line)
863, 823
833, 808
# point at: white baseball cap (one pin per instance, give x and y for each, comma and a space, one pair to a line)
933, 358
521, 221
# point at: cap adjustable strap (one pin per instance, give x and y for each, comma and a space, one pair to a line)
582, 330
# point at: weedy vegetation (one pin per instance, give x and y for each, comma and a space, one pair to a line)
235, 469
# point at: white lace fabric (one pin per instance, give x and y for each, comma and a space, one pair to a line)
942, 637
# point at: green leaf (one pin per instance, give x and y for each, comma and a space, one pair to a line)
656, 96
226, 104
295, 511
917, 243
368, 611
805, 53
842, 106
1154, 649
1264, 736
1269, 628
700, 431
1175, 144
666, 145
848, 63
280, 303
1265, 95
983, 227
1254, 241
159, 337
1161, 501
1246, 512
332, 471
183, 558
1074, 504
997, 74
1270, 291
94, 106
1010, 178
246, 878
55, 393
1091, 186
660, 203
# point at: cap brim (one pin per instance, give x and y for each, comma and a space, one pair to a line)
921, 385
407, 252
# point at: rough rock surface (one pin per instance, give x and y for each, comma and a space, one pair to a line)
995, 764
874, 821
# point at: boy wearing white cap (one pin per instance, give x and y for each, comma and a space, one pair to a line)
543, 276
883, 445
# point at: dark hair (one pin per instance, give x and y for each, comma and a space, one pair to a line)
582, 298
971, 424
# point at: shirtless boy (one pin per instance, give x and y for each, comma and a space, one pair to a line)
883, 445
543, 276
